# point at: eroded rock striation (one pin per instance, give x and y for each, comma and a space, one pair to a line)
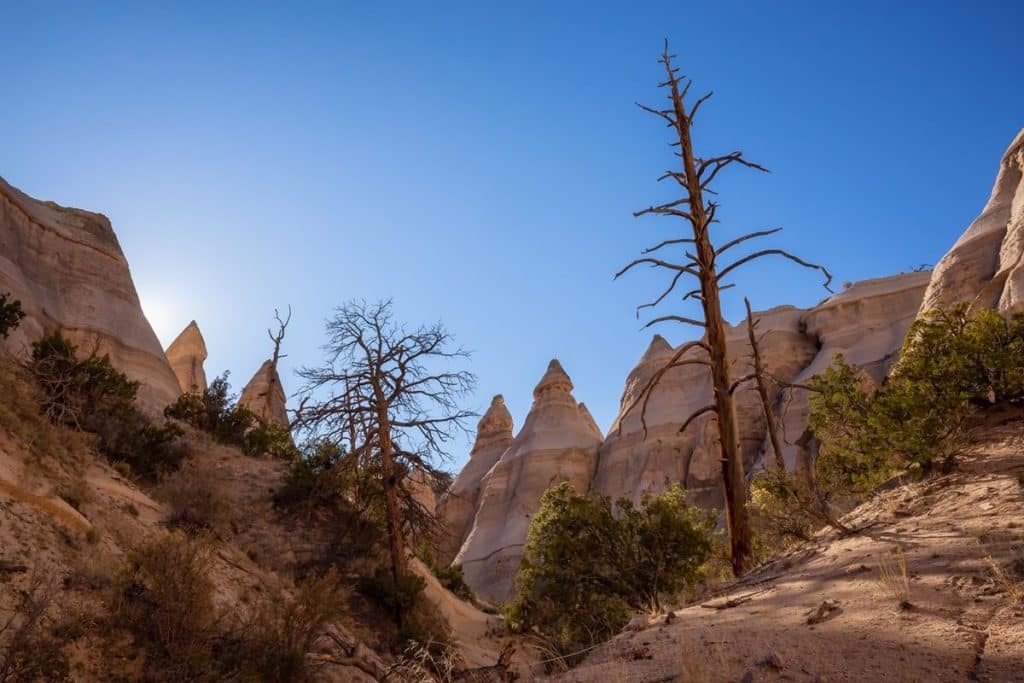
264, 395
986, 265
458, 506
558, 442
66, 267
186, 354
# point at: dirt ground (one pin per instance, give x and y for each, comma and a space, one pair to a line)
931, 590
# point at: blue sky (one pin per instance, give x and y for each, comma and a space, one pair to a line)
479, 162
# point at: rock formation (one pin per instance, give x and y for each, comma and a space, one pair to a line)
186, 354
264, 395
558, 442
458, 506
632, 464
866, 323
986, 265
67, 269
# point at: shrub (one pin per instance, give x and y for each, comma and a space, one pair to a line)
197, 499
454, 580
587, 565
952, 365
28, 650
10, 315
91, 395
282, 630
165, 598
401, 596
271, 439
215, 411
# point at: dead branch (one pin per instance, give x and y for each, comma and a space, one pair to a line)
778, 252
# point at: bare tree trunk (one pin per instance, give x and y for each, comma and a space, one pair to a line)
762, 390
733, 476
392, 511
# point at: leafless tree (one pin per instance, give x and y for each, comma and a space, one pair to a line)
760, 376
702, 263
278, 337
394, 395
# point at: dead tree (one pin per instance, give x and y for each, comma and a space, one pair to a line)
278, 337
386, 389
695, 178
758, 376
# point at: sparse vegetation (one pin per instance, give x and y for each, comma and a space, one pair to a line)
589, 564
894, 578
214, 411
11, 315
28, 649
270, 438
89, 394
197, 499
165, 598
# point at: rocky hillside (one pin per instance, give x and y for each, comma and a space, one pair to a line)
932, 589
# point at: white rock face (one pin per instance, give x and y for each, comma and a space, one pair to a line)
867, 324
67, 269
986, 265
186, 354
631, 464
458, 506
558, 442
265, 397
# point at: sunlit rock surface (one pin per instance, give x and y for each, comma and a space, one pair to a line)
186, 354
264, 395
558, 442
458, 506
986, 265
66, 267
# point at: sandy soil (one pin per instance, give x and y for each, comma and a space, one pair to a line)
951, 615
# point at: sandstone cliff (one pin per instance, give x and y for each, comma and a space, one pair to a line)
986, 265
558, 442
186, 354
458, 506
67, 268
264, 395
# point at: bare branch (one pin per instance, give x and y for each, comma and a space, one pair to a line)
695, 415
744, 238
778, 252
677, 319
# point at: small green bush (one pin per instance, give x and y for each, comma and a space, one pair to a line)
953, 364
10, 315
401, 596
454, 580
270, 439
91, 395
215, 411
587, 565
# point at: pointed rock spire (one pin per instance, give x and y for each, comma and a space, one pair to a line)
264, 395
496, 421
554, 380
186, 354
658, 349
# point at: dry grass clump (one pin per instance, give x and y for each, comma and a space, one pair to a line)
197, 498
1010, 575
29, 651
274, 642
894, 578
165, 598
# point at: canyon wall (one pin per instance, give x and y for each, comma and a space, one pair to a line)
67, 269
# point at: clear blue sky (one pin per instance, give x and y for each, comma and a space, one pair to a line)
479, 162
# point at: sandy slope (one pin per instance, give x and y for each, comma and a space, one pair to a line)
961, 622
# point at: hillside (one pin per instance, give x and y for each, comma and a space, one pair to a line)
954, 613
69, 523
